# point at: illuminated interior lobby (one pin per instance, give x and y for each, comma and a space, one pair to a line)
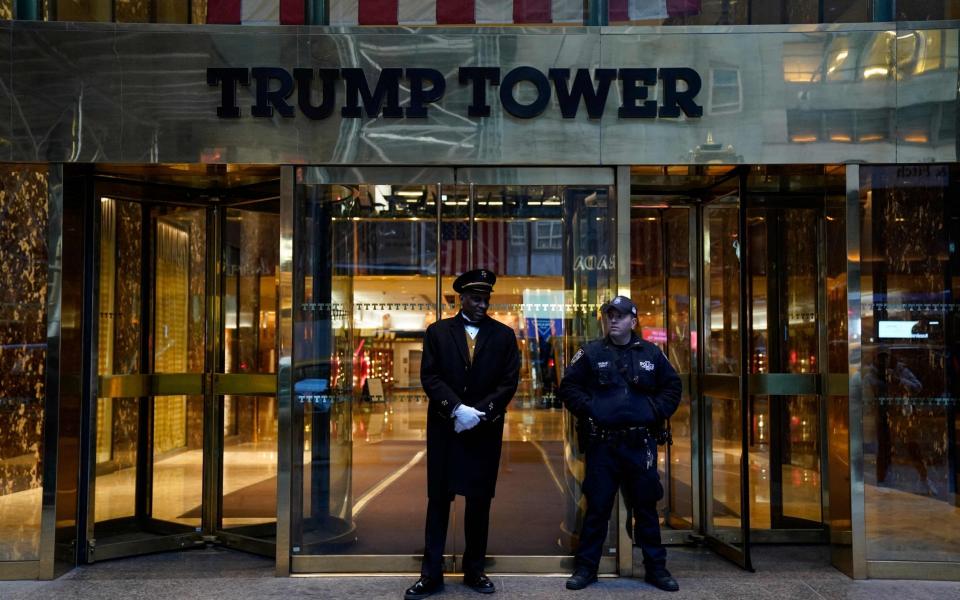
212, 323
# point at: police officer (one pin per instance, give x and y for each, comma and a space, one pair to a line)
622, 389
470, 370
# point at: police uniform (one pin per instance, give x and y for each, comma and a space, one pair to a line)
476, 364
621, 396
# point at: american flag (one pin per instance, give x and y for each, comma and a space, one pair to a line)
256, 12
441, 12
490, 247
454, 12
643, 10
490, 241
454, 245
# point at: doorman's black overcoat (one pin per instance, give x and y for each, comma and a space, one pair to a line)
466, 463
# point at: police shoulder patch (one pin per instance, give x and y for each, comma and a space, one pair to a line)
576, 356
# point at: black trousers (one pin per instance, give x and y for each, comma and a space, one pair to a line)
475, 527
634, 465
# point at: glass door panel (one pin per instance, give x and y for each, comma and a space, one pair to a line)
365, 290
147, 453
179, 327
374, 261
660, 285
726, 521
247, 423
117, 421
784, 436
529, 235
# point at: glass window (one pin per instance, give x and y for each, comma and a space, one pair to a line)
842, 59
678, 12
549, 235
801, 61
927, 10
909, 375
915, 123
804, 126
23, 353
877, 59
873, 125
725, 12
726, 95
796, 11
84, 10
152, 11
839, 125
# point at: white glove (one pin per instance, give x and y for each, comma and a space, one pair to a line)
466, 417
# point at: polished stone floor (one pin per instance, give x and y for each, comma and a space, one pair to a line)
782, 573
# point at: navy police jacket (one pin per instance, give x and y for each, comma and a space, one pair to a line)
621, 387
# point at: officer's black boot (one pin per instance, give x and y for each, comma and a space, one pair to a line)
581, 578
660, 577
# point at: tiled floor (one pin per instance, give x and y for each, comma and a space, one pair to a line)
783, 573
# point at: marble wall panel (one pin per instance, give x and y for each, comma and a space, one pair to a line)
23, 351
127, 330
196, 330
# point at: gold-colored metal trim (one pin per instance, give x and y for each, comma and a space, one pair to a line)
284, 379
244, 384
836, 384
783, 384
247, 544
59, 382
365, 563
789, 536
145, 546
855, 405
154, 384
721, 386
359, 563
625, 559
20, 569
895, 569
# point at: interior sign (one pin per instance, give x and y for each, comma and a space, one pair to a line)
274, 88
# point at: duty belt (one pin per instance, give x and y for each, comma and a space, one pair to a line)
637, 432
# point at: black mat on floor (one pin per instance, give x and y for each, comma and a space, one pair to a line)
525, 518
529, 515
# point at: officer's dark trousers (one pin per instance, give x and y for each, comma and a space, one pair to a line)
608, 464
476, 524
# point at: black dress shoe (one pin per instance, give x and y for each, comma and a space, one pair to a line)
480, 583
662, 579
580, 579
423, 588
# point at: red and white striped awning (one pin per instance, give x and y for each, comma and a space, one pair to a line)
441, 12
454, 12
256, 12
